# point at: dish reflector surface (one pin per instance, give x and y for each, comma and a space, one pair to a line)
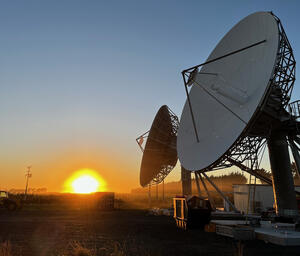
239, 81
160, 155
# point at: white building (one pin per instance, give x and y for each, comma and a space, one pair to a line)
262, 195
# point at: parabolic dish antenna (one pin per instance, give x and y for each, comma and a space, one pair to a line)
227, 94
159, 154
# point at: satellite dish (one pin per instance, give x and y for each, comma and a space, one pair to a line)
226, 94
159, 154
239, 102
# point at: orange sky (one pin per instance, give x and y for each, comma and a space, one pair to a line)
51, 170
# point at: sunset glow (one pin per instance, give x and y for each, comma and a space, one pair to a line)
85, 184
85, 181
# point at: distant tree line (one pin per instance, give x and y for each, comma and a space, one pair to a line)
224, 181
29, 191
268, 174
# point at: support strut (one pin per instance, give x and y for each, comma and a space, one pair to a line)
220, 192
197, 184
212, 202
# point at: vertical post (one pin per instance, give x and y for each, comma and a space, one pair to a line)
163, 190
249, 192
149, 195
282, 178
186, 182
253, 198
27, 175
248, 200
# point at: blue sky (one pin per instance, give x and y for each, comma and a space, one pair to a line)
82, 79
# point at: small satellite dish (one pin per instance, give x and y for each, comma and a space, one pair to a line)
226, 94
159, 154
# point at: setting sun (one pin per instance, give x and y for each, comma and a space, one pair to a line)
85, 181
85, 184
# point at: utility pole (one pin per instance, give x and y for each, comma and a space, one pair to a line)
149, 195
163, 190
27, 175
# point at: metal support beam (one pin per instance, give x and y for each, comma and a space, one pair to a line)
220, 192
250, 171
212, 202
197, 184
226, 55
256, 174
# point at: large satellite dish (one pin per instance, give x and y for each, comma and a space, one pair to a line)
159, 153
239, 102
227, 93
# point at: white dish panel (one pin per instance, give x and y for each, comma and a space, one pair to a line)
240, 81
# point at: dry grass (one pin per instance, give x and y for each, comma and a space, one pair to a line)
117, 251
78, 250
5, 249
126, 248
113, 248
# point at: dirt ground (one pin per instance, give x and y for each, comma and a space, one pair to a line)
130, 232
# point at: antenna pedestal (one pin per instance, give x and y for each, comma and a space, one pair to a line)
186, 182
283, 183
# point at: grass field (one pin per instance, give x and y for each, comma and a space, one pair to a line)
57, 232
